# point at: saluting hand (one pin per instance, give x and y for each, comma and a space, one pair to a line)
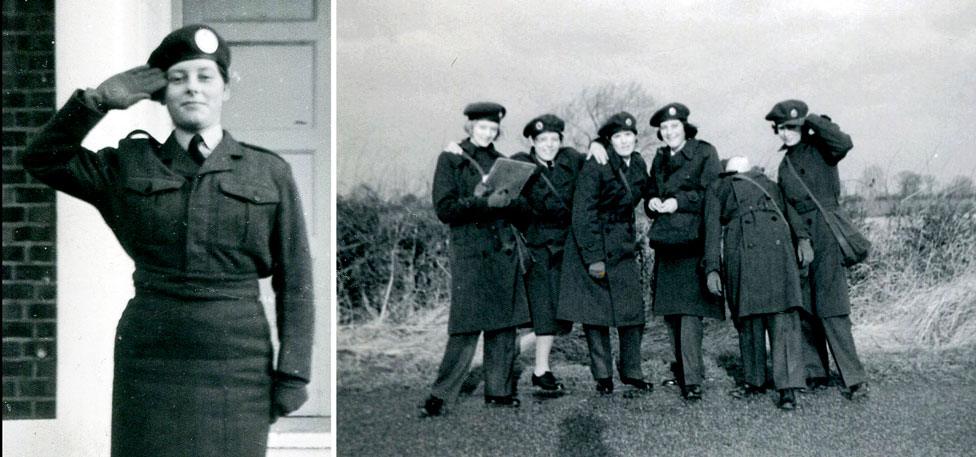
124, 89
804, 252
714, 283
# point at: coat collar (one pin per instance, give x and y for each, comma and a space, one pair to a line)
562, 159
223, 158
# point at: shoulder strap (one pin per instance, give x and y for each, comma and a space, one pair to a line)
741, 177
553, 189
481, 171
623, 178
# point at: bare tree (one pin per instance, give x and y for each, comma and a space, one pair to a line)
586, 112
909, 184
960, 187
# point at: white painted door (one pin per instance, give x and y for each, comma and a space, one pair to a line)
280, 100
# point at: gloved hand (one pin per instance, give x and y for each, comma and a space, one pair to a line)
655, 204
124, 89
598, 270
482, 189
288, 394
499, 199
598, 153
714, 283
669, 206
454, 148
804, 252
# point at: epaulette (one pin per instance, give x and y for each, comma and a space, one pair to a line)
139, 132
260, 149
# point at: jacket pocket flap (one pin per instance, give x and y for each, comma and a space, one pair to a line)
147, 186
255, 194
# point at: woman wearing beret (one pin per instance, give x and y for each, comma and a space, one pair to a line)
203, 217
549, 195
814, 146
681, 171
600, 285
486, 255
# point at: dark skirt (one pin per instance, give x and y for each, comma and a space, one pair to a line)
679, 285
192, 372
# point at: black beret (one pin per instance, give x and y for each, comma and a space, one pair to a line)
485, 110
618, 122
188, 43
669, 112
788, 112
544, 123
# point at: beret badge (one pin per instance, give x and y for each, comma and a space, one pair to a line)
672, 111
538, 125
793, 112
206, 41
628, 122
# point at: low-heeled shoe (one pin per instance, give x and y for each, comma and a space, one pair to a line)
692, 392
857, 392
604, 386
432, 407
638, 384
747, 391
506, 401
787, 400
546, 382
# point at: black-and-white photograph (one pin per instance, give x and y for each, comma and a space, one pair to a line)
167, 228
640, 228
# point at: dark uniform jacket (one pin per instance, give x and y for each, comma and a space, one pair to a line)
603, 230
685, 176
246, 220
815, 159
760, 271
550, 208
487, 289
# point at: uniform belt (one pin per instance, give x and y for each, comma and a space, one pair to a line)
806, 206
148, 282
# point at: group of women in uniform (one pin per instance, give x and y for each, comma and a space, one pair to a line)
564, 251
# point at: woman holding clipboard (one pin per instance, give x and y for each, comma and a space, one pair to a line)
487, 261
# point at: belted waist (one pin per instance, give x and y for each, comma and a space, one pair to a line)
195, 287
806, 206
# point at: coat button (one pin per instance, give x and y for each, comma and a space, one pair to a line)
809, 221
803, 172
777, 242
257, 198
148, 189
747, 221
751, 245
774, 218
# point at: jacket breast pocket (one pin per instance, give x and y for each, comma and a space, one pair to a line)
151, 209
243, 213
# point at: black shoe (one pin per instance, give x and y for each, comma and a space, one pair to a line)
819, 383
670, 382
432, 407
692, 392
506, 401
747, 391
857, 392
787, 400
546, 382
604, 386
638, 384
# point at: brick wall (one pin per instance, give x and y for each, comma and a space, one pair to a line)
29, 276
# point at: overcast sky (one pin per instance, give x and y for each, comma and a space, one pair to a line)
899, 79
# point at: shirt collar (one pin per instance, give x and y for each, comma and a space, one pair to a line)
211, 138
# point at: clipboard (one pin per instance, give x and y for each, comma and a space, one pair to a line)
508, 174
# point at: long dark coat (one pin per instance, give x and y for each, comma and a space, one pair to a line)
760, 272
193, 353
815, 159
678, 282
546, 227
487, 288
603, 230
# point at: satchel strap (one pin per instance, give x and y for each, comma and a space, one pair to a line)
804, 184
741, 177
828, 217
553, 189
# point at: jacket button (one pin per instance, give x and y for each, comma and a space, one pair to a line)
751, 245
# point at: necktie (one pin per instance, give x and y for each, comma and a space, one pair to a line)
549, 164
194, 150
